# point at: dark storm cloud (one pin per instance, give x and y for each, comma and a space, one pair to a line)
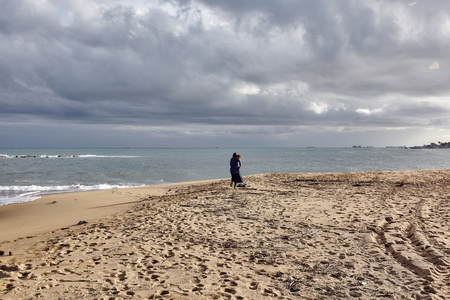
323, 64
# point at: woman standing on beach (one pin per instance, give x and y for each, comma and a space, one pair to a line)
235, 165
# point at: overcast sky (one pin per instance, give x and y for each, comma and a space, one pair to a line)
234, 73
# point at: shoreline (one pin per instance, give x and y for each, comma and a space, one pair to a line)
362, 235
54, 211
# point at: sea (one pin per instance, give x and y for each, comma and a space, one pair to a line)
27, 174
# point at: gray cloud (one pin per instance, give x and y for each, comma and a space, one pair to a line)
208, 66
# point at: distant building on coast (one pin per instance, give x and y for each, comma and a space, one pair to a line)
439, 145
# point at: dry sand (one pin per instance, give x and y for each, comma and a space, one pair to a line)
375, 235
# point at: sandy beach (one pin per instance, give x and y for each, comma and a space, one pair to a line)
371, 235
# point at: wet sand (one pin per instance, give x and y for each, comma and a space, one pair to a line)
374, 235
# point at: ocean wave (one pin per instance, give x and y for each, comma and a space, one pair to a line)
15, 200
106, 156
66, 156
19, 194
37, 188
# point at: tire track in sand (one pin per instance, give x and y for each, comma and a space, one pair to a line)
406, 239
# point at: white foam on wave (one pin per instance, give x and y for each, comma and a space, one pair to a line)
20, 194
14, 200
29, 194
35, 188
77, 187
66, 156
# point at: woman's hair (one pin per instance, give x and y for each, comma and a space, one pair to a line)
235, 155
